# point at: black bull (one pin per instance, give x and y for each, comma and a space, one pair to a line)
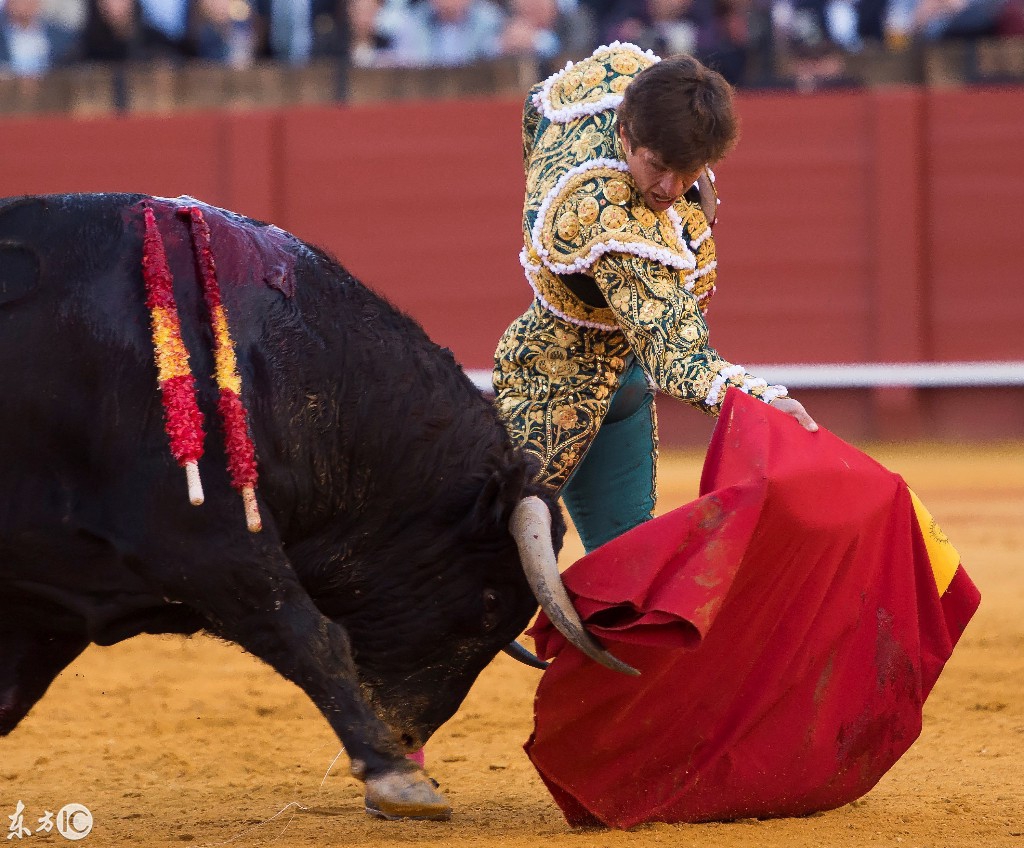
385, 577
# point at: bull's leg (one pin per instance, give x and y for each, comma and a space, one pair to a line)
262, 607
29, 663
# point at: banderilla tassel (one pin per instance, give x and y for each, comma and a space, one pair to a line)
239, 447
183, 420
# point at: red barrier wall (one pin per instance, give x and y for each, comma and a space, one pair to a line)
872, 225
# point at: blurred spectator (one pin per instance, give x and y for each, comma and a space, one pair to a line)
934, 20
222, 31
331, 27
871, 16
715, 31
168, 17
814, 57
285, 30
664, 26
442, 32
69, 14
115, 31
367, 35
547, 30
30, 44
601, 12
723, 38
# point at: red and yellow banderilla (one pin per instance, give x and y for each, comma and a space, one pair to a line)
183, 419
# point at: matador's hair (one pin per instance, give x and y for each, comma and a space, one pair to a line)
682, 111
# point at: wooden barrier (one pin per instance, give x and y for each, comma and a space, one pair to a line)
879, 225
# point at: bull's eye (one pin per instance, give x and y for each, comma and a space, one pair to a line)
491, 609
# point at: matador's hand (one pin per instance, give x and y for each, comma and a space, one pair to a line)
793, 407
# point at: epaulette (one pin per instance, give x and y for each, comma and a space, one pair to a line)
592, 85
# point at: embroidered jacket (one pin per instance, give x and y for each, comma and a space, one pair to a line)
613, 279
583, 214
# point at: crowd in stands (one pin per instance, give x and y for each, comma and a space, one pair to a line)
37, 35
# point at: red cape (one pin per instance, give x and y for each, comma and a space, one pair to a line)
788, 626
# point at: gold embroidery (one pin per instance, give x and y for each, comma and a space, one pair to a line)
625, 63
616, 191
583, 147
593, 74
614, 218
665, 329
568, 226
555, 417
556, 363
565, 417
551, 288
644, 216
584, 191
588, 210
621, 299
607, 71
566, 338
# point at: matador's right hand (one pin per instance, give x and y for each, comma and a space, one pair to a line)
793, 407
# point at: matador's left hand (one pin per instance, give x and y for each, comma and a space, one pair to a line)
793, 407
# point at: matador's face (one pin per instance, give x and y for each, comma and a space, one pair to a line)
660, 185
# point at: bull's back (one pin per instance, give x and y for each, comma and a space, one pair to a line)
65, 261
73, 317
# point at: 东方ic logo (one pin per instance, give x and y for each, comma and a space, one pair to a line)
74, 821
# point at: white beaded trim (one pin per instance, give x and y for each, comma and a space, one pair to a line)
720, 380
773, 393
524, 260
700, 272
699, 240
542, 99
749, 384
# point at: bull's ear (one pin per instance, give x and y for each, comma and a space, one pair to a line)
500, 494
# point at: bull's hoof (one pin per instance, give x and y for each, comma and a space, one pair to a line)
405, 795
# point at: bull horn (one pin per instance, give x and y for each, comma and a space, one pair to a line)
523, 655
530, 526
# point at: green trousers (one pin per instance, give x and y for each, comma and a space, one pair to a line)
613, 489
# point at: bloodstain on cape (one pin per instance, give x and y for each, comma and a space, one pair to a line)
788, 626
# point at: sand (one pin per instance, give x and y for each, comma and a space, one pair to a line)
172, 741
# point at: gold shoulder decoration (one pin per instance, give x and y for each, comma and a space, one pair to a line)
593, 209
558, 299
594, 84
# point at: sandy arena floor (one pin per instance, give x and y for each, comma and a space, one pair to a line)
170, 741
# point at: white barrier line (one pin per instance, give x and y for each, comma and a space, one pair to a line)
868, 375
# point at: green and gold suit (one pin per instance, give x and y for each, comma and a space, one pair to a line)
620, 295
